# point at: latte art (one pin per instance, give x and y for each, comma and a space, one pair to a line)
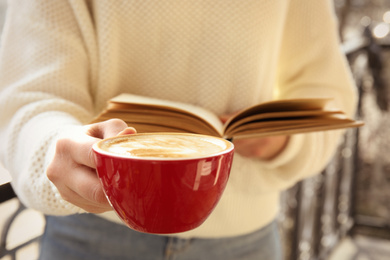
164, 146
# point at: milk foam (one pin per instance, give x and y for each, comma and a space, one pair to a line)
164, 146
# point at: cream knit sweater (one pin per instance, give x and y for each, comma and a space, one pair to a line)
62, 59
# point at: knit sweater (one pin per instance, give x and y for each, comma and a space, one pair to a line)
62, 60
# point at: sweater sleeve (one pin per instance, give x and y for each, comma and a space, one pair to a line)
45, 82
311, 64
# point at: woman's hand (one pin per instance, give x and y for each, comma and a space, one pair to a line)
264, 148
72, 169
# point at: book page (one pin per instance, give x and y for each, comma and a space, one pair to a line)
280, 106
284, 123
166, 119
280, 115
297, 129
208, 117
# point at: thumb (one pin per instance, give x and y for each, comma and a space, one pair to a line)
128, 131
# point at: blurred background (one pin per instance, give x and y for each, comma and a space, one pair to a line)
344, 212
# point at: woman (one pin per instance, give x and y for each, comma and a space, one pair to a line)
62, 60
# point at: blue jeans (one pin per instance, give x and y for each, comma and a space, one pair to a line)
87, 236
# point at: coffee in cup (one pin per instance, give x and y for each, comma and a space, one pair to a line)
163, 146
163, 182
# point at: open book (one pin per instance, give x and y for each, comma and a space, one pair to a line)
279, 117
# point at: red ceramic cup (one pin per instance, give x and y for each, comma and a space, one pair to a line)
163, 193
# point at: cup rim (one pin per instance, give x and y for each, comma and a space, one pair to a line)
228, 149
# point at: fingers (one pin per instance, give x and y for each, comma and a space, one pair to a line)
128, 131
76, 149
108, 128
265, 148
72, 169
80, 149
225, 117
88, 191
77, 184
83, 189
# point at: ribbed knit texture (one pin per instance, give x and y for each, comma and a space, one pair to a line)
62, 60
